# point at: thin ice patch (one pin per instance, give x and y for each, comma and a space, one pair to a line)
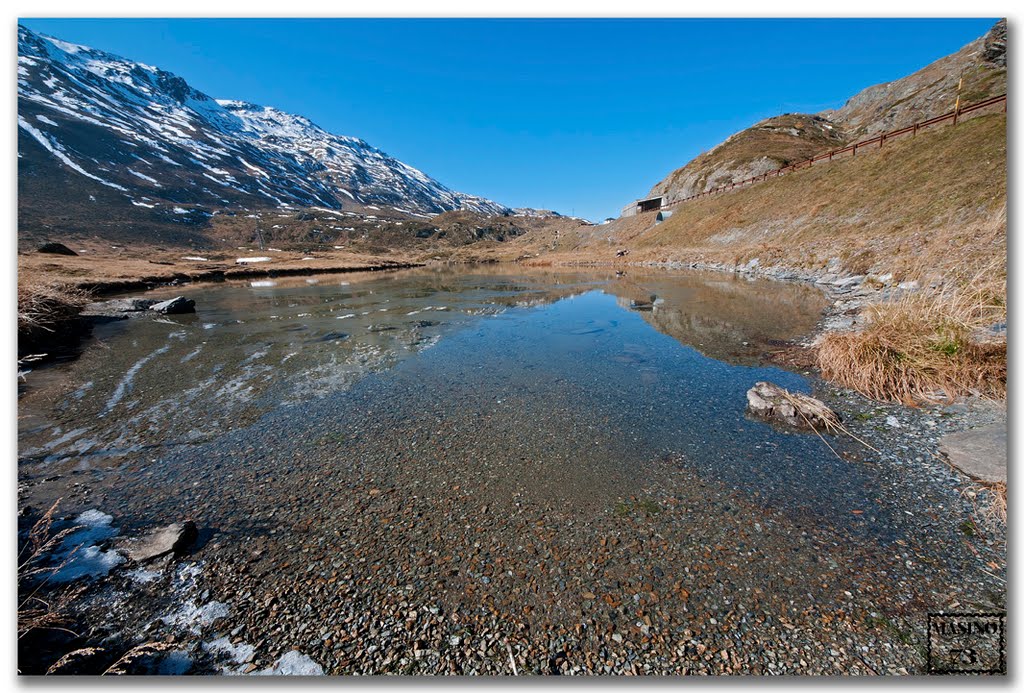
176, 663
79, 556
126, 382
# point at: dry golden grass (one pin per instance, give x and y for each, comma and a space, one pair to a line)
36, 612
922, 347
920, 203
44, 303
993, 509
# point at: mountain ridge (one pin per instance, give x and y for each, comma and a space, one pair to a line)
95, 125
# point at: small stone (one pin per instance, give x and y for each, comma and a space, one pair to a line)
774, 403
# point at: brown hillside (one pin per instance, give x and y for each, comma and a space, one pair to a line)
777, 141
937, 201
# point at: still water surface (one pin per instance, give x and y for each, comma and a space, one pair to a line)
597, 374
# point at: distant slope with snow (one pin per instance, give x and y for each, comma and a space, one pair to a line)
94, 128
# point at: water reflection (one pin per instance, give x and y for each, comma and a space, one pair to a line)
256, 346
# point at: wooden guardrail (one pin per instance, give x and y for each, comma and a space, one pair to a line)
851, 149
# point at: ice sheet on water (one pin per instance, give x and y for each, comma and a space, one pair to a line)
176, 663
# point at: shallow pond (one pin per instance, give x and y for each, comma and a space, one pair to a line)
599, 372
563, 453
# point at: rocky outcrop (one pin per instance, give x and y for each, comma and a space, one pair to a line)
55, 249
118, 308
764, 147
773, 403
929, 92
995, 45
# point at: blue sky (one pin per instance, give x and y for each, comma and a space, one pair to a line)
576, 115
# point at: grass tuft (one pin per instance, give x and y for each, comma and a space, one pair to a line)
924, 347
43, 305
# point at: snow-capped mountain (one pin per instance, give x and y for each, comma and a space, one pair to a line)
146, 134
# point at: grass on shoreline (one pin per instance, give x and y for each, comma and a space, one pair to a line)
44, 306
924, 347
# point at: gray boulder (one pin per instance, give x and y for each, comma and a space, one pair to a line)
176, 305
163, 541
980, 453
773, 403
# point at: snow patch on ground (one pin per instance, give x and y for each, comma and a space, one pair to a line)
55, 149
247, 260
141, 575
239, 653
293, 663
194, 617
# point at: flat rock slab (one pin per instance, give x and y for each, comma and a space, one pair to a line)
161, 542
980, 453
118, 307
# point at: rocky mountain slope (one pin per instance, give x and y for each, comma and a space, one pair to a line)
140, 146
780, 140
